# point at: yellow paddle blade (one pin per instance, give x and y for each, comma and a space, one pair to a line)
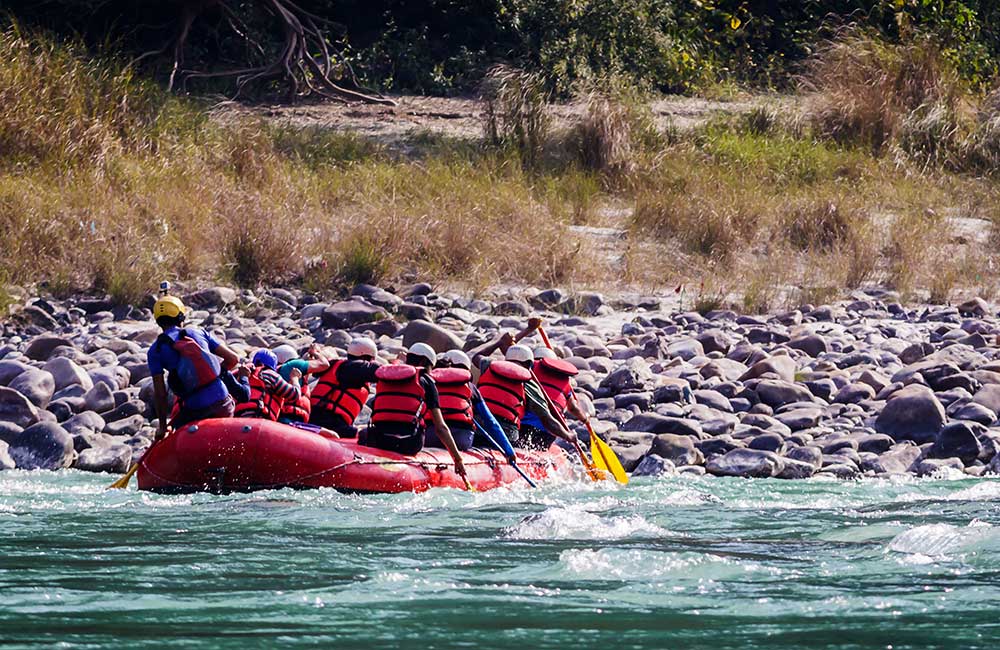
605, 458
122, 483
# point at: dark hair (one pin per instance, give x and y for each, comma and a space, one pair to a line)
417, 361
170, 321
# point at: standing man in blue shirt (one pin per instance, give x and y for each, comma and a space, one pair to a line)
194, 361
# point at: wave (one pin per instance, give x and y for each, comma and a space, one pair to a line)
942, 540
576, 523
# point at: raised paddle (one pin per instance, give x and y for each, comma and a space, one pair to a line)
604, 456
497, 445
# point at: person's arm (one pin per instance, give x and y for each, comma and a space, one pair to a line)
501, 342
574, 408
317, 360
229, 358
283, 389
444, 435
160, 402
533, 324
536, 403
485, 419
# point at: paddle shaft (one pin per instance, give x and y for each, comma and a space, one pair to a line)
591, 470
590, 428
513, 464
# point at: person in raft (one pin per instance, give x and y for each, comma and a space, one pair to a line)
510, 392
313, 362
555, 376
342, 390
195, 363
268, 391
462, 406
404, 392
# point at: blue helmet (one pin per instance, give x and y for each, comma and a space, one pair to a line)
265, 358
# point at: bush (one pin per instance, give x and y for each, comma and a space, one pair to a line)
515, 113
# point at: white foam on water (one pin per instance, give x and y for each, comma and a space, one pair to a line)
940, 540
981, 491
577, 523
652, 566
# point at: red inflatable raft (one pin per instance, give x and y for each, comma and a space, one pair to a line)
241, 455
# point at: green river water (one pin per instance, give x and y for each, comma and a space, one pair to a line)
671, 563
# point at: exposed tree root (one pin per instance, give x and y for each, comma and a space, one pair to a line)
304, 64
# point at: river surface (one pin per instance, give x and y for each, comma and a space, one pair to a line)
669, 563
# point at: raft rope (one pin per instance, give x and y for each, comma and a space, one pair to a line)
487, 459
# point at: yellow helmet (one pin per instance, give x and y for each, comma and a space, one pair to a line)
168, 306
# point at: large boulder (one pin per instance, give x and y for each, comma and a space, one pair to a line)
635, 375
128, 426
37, 385
16, 408
775, 392
66, 372
812, 344
912, 413
6, 461
421, 331
656, 423
796, 469
897, 460
678, 449
9, 369
113, 458
988, 396
45, 445
214, 298
653, 465
100, 398
957, 440
748, 463
780, 365
348, 313
41, 347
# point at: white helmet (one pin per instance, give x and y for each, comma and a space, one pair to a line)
362, 347
458, 358
544, 353
285, 353
425, 351
519, 353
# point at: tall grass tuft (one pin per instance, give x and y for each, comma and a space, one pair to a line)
864, 91
515, 112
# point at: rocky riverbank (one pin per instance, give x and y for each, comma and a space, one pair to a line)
861, 388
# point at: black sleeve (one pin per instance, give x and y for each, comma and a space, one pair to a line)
355, 374
431, 400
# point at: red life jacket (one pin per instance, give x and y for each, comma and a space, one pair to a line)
502, 388
299, 410
455, 393
196, 367
554, 376
262, 403
328, 395
399, 397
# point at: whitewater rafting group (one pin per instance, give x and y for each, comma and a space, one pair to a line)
421, 399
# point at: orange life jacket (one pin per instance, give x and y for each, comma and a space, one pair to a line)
262, 403
329, 395
502, 388
554, 376
455, 395
299, 410
399, 397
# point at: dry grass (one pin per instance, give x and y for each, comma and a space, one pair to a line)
107, 184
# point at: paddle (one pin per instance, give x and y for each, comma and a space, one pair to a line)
497, 445
123, 482
604, 456
592, 471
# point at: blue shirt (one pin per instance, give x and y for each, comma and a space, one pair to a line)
161, 358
